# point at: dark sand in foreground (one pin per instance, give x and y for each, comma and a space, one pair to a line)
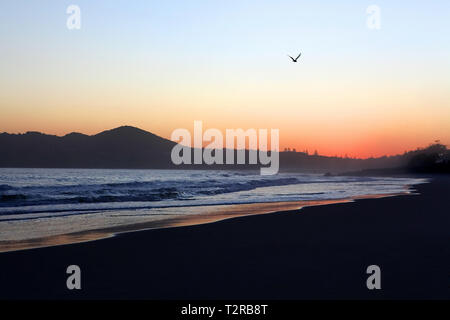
317, 252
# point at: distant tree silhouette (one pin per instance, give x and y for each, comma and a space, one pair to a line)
435, 158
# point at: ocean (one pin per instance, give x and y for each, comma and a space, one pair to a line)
37, 203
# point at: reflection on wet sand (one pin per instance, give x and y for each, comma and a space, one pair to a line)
205, 215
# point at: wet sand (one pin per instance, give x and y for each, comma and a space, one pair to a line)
206, 215
318, 252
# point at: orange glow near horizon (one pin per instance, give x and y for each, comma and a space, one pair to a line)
368, 120
344, 143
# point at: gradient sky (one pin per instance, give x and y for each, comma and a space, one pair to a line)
160, 65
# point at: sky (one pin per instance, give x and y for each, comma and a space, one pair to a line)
160, 65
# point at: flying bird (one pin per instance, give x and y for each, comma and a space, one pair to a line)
295, 60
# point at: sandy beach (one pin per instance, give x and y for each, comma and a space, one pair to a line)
201, 215
319, 252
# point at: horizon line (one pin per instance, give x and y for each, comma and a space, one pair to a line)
292, 150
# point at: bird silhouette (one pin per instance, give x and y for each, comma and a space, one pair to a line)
295, 60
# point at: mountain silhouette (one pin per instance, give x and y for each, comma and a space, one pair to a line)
123, 147
128, 147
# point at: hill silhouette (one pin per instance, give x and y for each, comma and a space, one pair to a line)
123, 147
128, 147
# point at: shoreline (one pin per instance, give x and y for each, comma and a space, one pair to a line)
212, 214
322, 253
